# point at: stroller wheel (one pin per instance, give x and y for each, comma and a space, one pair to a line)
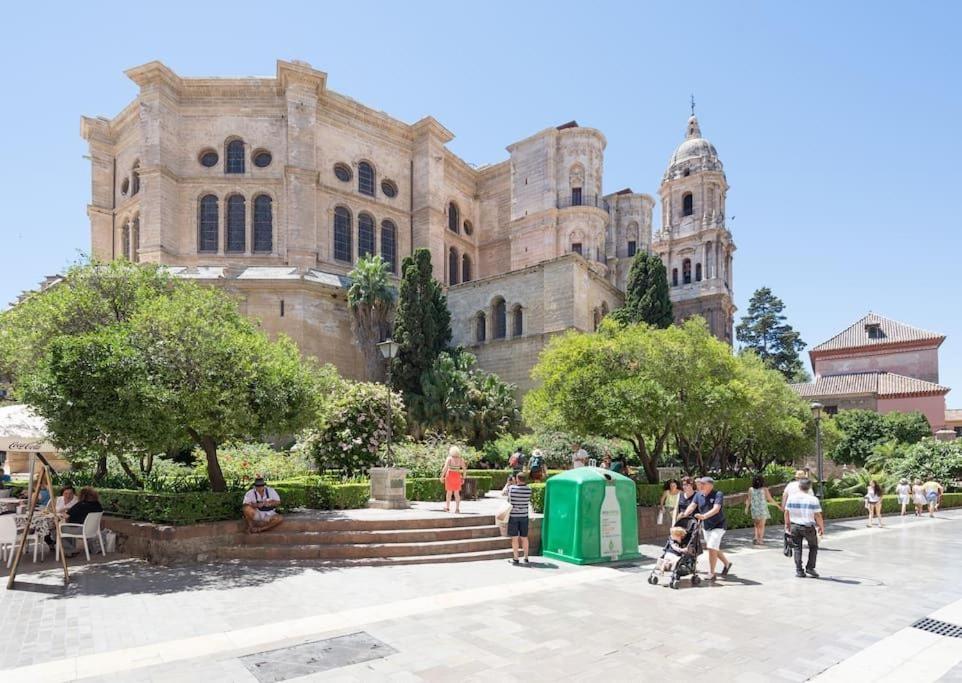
653, 579
695, 579
675, 583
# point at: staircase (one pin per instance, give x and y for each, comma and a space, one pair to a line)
374, 541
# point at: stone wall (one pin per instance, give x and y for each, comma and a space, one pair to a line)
919, 363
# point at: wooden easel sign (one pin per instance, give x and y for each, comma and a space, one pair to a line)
38, 481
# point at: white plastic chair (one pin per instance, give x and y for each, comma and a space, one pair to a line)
9, 539
89, 529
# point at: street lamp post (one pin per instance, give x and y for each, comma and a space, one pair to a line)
389, 349
817, 414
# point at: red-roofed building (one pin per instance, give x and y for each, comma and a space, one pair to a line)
879, 364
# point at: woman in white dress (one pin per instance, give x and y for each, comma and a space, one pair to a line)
902, 491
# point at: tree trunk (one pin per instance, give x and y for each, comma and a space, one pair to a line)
100, 473
125, 466
214, 473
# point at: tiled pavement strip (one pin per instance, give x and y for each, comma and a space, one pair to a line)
127, 621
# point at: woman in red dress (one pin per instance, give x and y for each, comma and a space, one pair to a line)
453, 474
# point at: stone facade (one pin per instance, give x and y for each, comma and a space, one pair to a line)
273, 187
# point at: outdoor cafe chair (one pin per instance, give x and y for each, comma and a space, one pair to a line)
89, 529
9, 538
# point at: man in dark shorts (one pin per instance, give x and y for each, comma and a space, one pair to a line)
710, 505
519, 495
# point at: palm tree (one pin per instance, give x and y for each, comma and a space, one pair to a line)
371, 298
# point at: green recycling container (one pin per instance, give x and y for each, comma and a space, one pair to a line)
590, 516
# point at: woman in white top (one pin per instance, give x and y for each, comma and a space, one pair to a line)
903, 490
873, 502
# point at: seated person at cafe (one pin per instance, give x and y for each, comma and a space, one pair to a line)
87, 501
66, 500
259, 504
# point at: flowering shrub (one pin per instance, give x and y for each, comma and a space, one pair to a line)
426, 459
241, 462
355, 429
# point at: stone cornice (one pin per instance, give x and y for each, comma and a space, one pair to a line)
152, 73
302, 74
429, 126
877, 349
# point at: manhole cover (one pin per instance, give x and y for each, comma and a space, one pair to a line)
319, 655
939, 628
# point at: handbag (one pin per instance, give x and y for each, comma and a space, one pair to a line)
661, 516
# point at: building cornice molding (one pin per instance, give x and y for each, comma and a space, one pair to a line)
877, 349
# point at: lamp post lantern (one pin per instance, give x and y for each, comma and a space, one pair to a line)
817, 415
389, 349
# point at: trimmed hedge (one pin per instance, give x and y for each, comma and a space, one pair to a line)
537, 497
432, 490
498, 477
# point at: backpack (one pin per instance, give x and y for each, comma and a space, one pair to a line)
536, 462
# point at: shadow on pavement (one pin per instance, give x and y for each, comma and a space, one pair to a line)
853, 581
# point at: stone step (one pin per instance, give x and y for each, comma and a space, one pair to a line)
480, 556
348, 551
282, 536
297, 522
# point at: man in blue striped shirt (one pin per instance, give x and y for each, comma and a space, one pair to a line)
519, 495
803, 516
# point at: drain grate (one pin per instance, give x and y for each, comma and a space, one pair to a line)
939, 628
311, 658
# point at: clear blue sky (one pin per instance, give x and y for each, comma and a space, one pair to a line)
837, 122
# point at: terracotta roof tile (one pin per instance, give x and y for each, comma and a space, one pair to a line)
891, 332
881, 384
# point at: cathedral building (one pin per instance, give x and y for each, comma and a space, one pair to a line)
273, 187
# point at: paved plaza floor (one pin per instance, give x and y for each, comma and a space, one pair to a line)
124, 620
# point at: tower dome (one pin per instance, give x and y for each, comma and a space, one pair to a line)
694, 154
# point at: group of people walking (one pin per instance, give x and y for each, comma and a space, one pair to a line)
922, 496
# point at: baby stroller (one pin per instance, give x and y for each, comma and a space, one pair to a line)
686, 564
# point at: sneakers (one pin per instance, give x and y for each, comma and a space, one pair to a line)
800, 575
724, 571
515, 562
812, 573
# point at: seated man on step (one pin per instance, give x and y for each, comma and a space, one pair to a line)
259, 504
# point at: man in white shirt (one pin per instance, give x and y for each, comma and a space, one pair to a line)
259, 504
579, 456
66, 500
803, 519
792, 486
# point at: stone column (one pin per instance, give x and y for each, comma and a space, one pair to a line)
429, 201
103, 180
300, 173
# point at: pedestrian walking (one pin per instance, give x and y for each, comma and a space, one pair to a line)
903, 491
918, 497
453, 474
536, 465
803, 521
685, 497
873, 503
757, 503
710, 504
933, 495
792, 486
519, 495
579, 456
668, 503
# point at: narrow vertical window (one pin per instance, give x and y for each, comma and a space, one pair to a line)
365, 178
576, 247
500, 319
235, 157
365, 235
263, 224
674, 277
465, 268
135, 179
454, 217
208, 220
125, 241
342, 234
687, 204
135, 240
697, 272
480, 328
236, 223
454, 264
632, 247
518, 322
282, 308
575, 196
389, 244
686, 271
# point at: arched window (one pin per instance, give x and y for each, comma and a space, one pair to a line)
480, 328
207, 224
697, 272
365, 179
687, 204
674, 277
686, 271
454, 264
135, 179
517, 321
125, 241
342, 234
365, 235
236, 219
389, 244
263, 223
454, 217
465, 268
135, 240
500, 313
235, 157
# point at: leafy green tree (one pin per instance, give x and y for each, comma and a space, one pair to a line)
929, 457
465, 402
422, 325
646, 295
371, 300
764, 330
861, 431
907, 428
185, 367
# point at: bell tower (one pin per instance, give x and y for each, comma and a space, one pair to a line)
694, 242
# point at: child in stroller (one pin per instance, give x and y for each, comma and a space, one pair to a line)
680, 556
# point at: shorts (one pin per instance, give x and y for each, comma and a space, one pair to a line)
263, 515
713, 538
932, 496
518, 526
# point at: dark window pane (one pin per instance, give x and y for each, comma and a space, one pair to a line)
342, 234
389, 189
480, 328
576, 196
389, 245
687, 206
263, 159
236, 217
454, 217
125, 246
453, 264
263, 224
468, 228
135, 240
365, 178
632, 246
686, 271
343, 172
365, 235
208, 220
518, 322
209, 158
235, 157
500, 319
674, 277
697, 272
135, 180
576, 247
465, 269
